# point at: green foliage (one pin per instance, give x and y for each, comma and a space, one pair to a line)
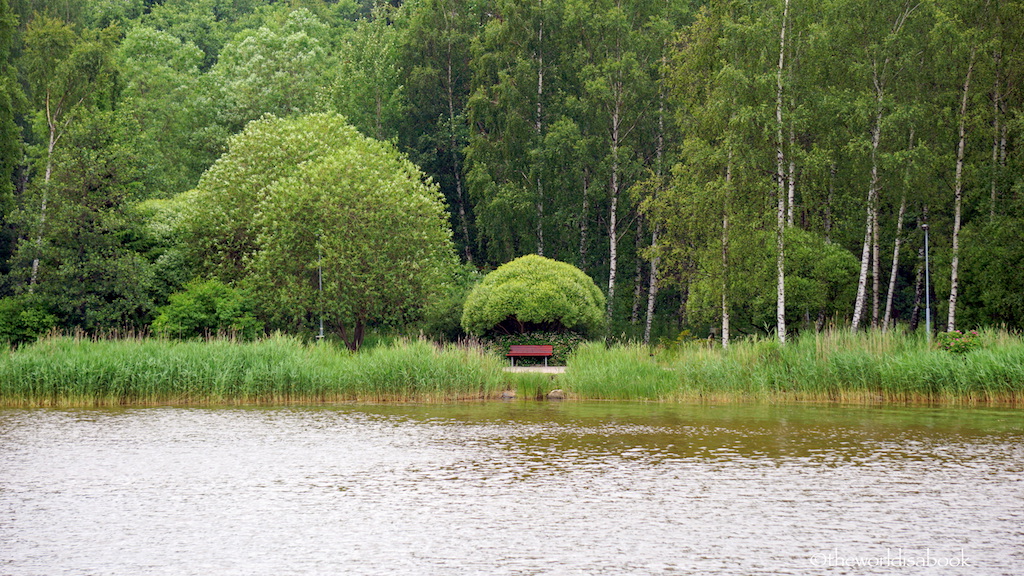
957, 342
820, 280
301, 203
562, 345
165, 93
208, 308
23, 319
992, 260
275, 69
87, 242
533, 292
441, 317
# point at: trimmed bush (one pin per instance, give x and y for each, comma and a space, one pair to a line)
534, 293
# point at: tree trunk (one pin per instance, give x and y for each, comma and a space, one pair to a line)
613, 233
51, 143
460, 194
780, 302
887, 320
791, 178
539, 126
998, 130
584, 215
872, 217
958, 197
915, 315
659, 154
652, 288
876, 269
638, 274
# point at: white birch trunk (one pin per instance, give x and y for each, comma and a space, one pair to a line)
539, 128
652, 288
865, 258
958, 198
725, 253
780, 303
998, 134
456, 168
613, 231
51, 144
876, 270
584, 212
887, 320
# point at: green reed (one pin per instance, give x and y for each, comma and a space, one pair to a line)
65, 371
837, 366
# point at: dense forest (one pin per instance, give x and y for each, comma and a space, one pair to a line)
726, 167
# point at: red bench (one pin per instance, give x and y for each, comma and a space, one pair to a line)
518, 350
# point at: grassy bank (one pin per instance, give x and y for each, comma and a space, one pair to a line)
828, 367
77, 372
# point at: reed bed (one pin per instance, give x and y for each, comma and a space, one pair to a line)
64, 371
834, 366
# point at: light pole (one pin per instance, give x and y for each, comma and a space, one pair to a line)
927, 288
320, 285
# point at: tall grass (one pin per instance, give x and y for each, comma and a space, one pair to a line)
834, 366
63, 371
837, 366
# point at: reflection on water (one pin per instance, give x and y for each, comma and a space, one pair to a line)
516, 488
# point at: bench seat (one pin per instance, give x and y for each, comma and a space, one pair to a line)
530, 350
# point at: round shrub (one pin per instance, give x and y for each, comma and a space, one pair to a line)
534, 293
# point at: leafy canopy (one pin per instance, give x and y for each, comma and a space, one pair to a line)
323, 225
533, 292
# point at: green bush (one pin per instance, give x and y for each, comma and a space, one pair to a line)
24, 319
958, 342
208, 308
534, 293
562, 346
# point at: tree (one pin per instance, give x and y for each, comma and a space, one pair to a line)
216, 225
336, 227
91, 273
435, 58
275, 69
66, 72
162, 89
367, 86
534, 293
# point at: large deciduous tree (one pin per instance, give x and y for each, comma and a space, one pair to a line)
323, 223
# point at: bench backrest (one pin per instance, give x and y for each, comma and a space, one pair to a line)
530, 350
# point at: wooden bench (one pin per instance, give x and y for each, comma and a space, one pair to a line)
518, 350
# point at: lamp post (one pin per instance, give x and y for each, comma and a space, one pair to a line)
927, 288
320, 285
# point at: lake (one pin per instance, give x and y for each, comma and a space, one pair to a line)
518, 488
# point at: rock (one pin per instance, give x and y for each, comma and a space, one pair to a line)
508, 394
556, 394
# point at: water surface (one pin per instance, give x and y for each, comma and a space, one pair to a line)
512, 488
